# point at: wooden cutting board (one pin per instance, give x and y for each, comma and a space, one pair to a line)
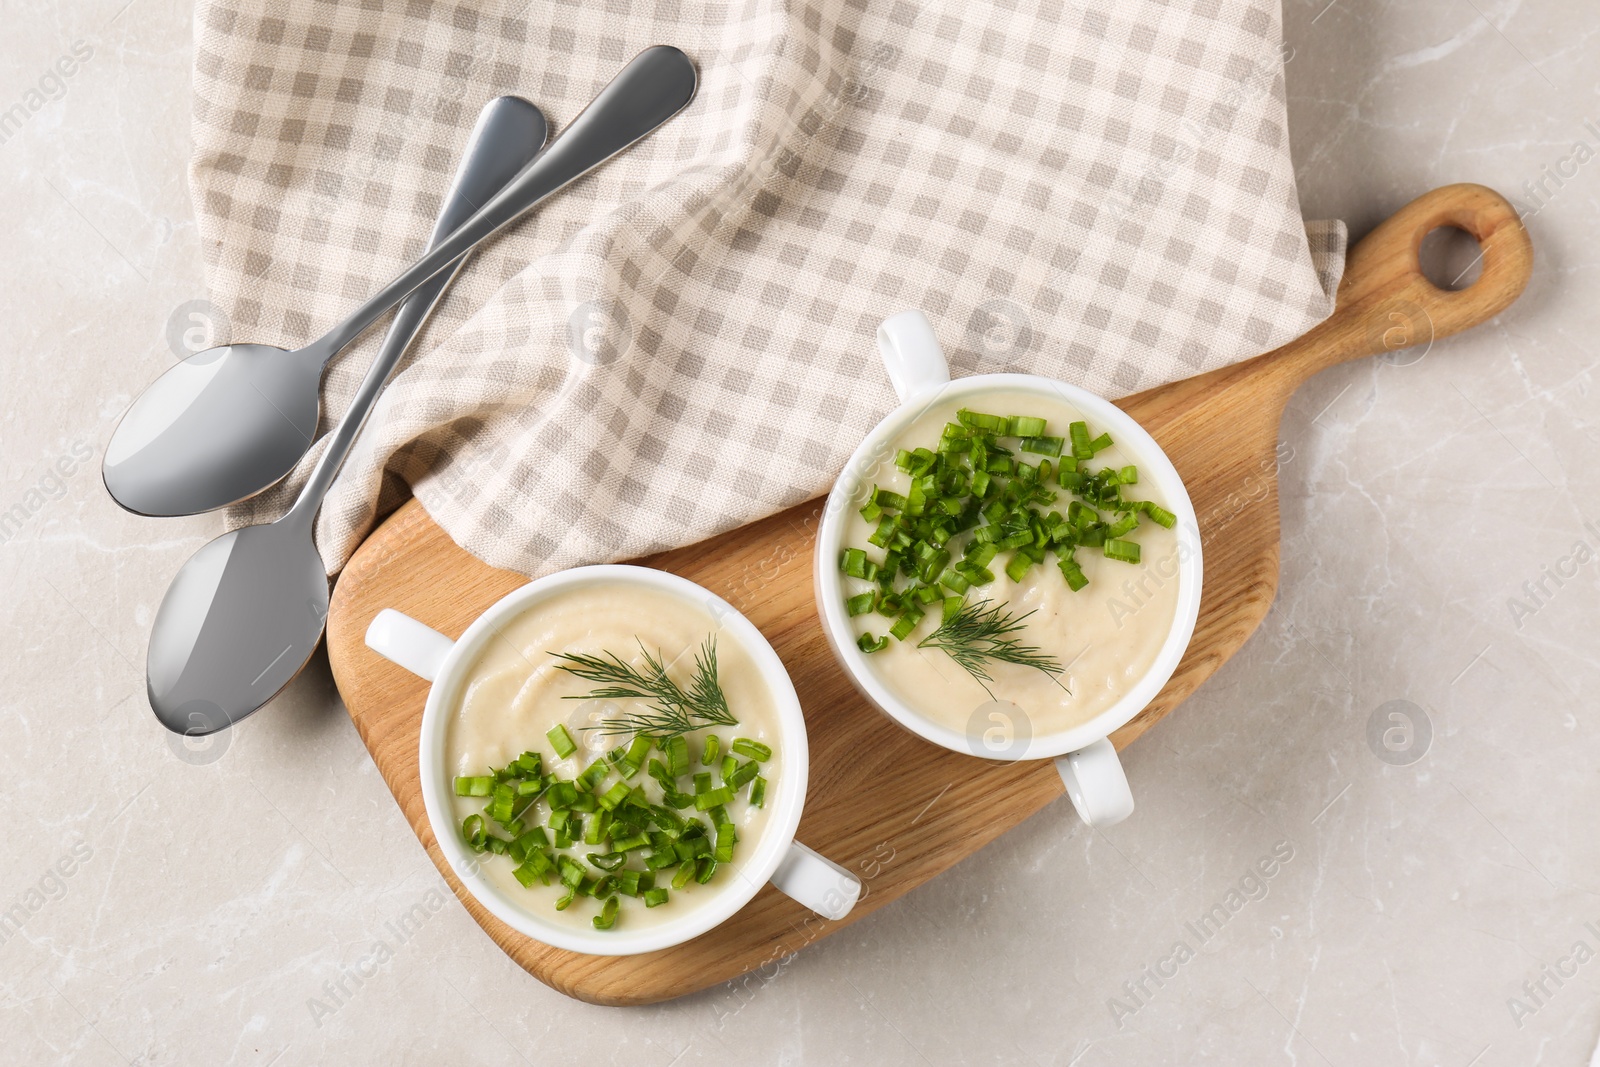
929, 807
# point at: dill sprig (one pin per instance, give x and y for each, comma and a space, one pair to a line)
979, 634
707, 701
672, 709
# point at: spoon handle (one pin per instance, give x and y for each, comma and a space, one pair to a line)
509, 133
655, 85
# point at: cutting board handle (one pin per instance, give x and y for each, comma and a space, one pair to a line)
1385, 303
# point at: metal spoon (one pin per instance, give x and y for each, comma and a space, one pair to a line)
245, 613
229, 422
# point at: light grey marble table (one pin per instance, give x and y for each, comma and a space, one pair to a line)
263, 901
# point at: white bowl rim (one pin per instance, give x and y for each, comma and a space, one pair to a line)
1154, 466
785, 807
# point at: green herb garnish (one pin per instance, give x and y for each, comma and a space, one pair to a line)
627, 840
673, 710
978, 634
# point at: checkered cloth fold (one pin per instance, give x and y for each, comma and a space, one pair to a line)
683, 341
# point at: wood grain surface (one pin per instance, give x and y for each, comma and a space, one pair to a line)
875, 789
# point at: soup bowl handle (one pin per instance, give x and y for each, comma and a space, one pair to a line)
402, 640
912, 356
1096, 783
816, 881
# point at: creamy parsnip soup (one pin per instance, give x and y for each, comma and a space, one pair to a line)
615, 754
1006, 549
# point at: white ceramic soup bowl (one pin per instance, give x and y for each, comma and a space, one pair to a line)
1084, 755
820, 884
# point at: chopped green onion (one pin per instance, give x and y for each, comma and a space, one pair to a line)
869, 644
685, 873
855, 563
1158, 515
621, 820
1073, 573
1017, 568
885, 499
677, 753
571, 871
952, 605
525, 845
537, 865
1078, 433
1123, 525
561, 741
474, 786
591, 778
905, 624
713, 798
952, 580
614, 796
974, 574
1026, 426
755, 750
628, 844
1126, 551
974, 420
1043, 446
860, 604
638, 749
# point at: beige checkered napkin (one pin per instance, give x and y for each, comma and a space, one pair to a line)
682, 342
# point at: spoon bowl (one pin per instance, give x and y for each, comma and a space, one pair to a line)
238, 623
215, 429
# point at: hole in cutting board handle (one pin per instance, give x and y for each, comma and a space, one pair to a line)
1450, 258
